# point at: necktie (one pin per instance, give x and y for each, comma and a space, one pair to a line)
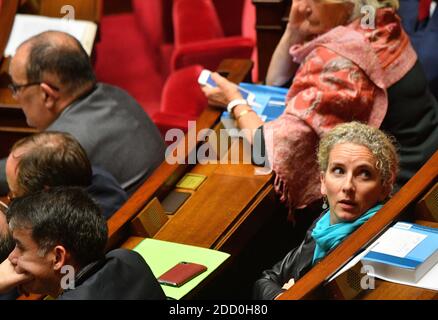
424, 9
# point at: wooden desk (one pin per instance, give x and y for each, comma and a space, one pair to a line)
227, 212
223, 212
82, 9
222, 207
311, 284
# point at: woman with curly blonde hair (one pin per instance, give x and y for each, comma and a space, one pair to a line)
358, 165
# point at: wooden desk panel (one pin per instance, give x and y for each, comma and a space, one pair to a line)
385, 290
83, 9
132, 242
13, 119
212, 209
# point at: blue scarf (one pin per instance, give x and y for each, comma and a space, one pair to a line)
329, 236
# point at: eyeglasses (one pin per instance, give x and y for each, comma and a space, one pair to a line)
15, 88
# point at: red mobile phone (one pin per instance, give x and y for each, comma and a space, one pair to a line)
181, 273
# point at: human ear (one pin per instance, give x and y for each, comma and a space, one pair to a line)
60, 257
322, 179
50, 95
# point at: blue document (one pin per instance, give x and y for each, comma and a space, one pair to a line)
269, 101
404, 252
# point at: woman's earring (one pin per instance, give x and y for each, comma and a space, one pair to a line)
324, 204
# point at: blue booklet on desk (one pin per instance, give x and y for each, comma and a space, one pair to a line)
269, 102
404, 253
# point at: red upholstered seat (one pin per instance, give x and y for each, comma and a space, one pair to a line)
200, 37
158, 60
125, 59
155, 24
182, 100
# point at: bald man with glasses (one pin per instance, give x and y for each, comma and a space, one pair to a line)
53, 81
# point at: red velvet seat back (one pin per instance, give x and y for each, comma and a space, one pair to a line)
149, 18
182, 93
154, 22
194, 21
182, 99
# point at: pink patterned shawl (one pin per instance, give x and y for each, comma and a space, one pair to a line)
343, 76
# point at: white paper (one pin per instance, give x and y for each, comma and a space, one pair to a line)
398, 242
350, 264
26, 26
428, 281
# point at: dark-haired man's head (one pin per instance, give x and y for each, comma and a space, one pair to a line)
55, 228
45, 160
48, 72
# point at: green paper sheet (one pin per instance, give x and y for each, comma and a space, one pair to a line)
162, 255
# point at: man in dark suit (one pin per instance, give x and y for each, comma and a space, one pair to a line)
54, 83
60, 239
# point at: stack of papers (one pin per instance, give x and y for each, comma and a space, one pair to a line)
406, 254
26, 26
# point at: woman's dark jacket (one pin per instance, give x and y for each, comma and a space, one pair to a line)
296, 263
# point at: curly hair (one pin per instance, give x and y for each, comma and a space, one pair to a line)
381, 145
